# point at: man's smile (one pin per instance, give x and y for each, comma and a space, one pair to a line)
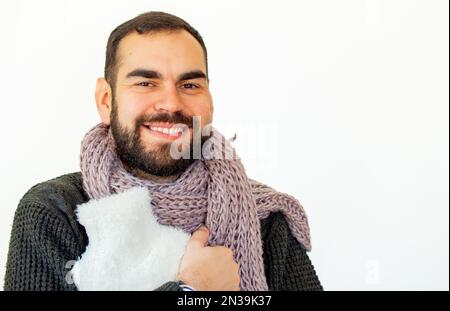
165, 130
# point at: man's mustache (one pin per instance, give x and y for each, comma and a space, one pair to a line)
175, 118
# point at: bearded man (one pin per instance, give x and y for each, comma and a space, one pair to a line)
162, 201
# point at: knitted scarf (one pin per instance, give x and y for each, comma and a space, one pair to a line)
212, 191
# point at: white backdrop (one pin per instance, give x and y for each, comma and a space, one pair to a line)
351, 98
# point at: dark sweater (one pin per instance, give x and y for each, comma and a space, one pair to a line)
46, 236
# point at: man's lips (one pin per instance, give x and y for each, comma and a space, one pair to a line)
166, 130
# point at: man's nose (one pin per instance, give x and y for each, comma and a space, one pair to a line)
169, 100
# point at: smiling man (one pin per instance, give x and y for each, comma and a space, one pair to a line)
158, 191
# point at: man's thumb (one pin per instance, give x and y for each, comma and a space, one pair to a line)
199, 237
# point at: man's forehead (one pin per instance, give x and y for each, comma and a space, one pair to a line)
179, 48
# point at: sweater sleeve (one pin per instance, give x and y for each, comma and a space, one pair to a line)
170, 286
299, 273
287, 265
41, 248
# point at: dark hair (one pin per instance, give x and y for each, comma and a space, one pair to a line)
143, 24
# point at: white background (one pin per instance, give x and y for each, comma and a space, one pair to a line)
353, 97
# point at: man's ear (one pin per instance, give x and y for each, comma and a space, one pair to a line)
103, 100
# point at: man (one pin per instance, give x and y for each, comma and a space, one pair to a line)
156, 111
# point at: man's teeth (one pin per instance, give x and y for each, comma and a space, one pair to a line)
168, 131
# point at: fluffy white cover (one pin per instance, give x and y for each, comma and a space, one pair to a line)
128, 249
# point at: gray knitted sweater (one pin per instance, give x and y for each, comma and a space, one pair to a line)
46, 236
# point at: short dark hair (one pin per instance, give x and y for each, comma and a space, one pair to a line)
143, 24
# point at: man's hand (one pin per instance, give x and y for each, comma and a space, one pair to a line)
208, 268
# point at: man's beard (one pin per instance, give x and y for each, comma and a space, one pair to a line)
159, 162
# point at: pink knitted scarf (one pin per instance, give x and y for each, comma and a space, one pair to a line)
215, 192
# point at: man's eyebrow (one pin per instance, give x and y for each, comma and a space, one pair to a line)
144, 73
195, 74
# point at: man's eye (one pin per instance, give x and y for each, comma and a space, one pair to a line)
190, 86
144, 84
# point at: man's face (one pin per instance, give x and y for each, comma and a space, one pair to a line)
161, 81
